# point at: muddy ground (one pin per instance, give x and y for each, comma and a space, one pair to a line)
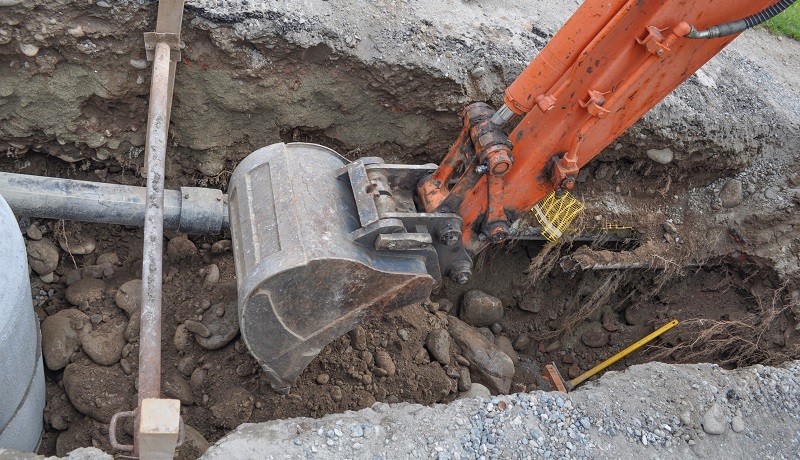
715, 247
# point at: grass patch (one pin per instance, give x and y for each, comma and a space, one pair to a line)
786, 23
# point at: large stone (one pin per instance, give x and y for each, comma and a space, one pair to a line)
438, 344
504, 344
88, 290
129, 296
180, 248
177, 387
663, 156
384, 361
595, 336
222, 322
731, 193
480, 309
104, 345
61, 336
98, 391
42, 256
489, 365
78, 245
714, 420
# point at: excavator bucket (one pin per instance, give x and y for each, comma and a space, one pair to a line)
307, 269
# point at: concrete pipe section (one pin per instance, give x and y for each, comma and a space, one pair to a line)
21, 373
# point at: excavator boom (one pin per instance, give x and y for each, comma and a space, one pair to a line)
321, 244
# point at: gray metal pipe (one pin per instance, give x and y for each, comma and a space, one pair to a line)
191, 210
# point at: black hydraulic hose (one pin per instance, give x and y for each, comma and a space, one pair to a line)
735, 27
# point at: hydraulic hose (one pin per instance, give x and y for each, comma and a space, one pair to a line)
735, 27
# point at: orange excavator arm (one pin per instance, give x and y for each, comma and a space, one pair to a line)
610, 64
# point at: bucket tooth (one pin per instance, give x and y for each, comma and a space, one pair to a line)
302, 278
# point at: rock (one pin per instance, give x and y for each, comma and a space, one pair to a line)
731, 193
180, 248
504, 344
480, 309
197, 328
98, 391
186, 365
234, 408
358, 338
97, 271
61, 336
477, 390
714, 420
486, 332
87, 290
212, 276
181, 338
530, 303
197, 378
129, 296
48, 278
104, 344
686, 418
489, 365
29, 49
323, 379
176, 387
34, 233
595, 336
496, 328
403, 334
222, 329
522, 342
737, 424
445, 305
134, 323
73, 276
574, 371
42, 256
107, 258
464, 379
77, 245
221, 246
384, 360
663, 156
194, 444
438, 344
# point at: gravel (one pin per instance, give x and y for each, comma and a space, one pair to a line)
652, 410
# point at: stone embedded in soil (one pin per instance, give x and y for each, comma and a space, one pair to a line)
194, 444
134, 322
42, 256
522, 342
34, 233
504, 344
129, 296
73, 276
464, 379
107, 258
98, 271
438, 344
77, 245
222, 329
480, 309
104, 344
180, 248
235, 406
186, 365
212, 276
323, 379
714, 420
358, 338
384, 361
221, 246
98, 391
181, 338
445, 305
530, 303
663, 156
731, 193
477, 390
595, 336
86, 290
61, 336
197, 378
175, 386
489, 365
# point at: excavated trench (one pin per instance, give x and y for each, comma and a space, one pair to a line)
75, 107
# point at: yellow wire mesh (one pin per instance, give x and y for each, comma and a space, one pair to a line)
555, 215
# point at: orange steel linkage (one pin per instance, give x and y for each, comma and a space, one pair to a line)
610, 63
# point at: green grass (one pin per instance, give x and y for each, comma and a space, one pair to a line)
786, 23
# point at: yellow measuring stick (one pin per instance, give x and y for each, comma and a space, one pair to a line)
581, 378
